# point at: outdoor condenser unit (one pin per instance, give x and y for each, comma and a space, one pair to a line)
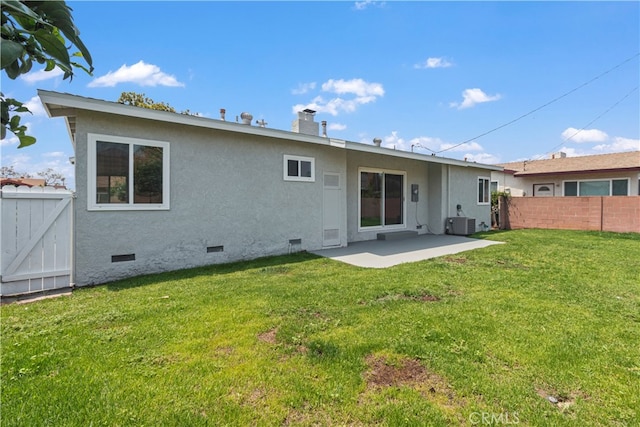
461, 225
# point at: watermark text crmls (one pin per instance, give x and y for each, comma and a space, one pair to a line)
494, 418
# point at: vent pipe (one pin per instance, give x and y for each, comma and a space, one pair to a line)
246, 118
222, 113
377, 142
324, 128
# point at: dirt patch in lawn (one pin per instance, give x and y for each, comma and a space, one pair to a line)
269, 336
563, 401
456, 260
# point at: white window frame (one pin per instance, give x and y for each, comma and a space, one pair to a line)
610, 180
402, 226
299, 159
488, 180
92, 205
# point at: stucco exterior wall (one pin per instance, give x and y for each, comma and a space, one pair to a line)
463, 190
442, 188
227, 189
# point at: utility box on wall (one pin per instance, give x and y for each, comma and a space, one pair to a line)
460, 225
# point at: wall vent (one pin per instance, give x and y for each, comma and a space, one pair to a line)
122, 258
215, 249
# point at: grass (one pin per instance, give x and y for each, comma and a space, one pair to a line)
543, 331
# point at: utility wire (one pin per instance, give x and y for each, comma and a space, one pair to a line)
542, 106
590, 123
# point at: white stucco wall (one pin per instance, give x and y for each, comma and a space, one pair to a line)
227, 189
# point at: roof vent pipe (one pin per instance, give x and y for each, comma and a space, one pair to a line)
377, 142
222, 113
246, 118
324, 128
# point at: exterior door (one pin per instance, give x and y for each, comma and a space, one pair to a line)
332, 210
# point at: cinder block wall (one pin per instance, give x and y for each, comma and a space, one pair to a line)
619, 214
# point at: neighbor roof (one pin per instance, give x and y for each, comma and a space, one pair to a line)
66, 105
614, 162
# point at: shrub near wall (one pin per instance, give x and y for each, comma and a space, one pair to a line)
614, 213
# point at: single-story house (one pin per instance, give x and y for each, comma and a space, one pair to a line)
616, 174
159, 191
29, 182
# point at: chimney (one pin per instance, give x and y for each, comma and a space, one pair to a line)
222, 113
305, 123
377, 142
324, 128
559, 155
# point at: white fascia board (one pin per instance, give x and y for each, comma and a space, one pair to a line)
357, 146
68, 101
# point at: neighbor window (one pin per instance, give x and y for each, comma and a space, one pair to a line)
600, 187
381, 198
298, 168
127, 173
484, 194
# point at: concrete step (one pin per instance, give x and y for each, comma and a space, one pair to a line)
397, 235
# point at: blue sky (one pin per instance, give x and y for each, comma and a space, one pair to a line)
428, 76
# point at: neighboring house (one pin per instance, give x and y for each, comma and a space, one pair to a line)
29, 182
160, 191
616, 174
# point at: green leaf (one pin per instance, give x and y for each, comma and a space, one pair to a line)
13, 70
51, 64
11, 51
26, 140
53, 46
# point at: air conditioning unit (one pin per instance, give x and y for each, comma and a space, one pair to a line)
461, 225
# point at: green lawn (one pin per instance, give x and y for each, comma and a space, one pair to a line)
543, 331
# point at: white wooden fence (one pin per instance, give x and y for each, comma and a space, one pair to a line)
36, 239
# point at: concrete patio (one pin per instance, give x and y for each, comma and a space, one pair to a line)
387, 253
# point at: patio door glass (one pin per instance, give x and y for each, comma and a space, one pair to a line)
381, 199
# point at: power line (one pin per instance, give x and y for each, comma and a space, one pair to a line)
590, 123
542, 106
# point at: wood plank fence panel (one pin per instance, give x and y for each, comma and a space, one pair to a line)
36, 239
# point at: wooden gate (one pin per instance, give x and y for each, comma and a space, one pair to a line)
36, 239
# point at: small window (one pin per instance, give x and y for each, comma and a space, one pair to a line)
298, 168
601, 187
620, 187
127, 173
484, 195
571, 188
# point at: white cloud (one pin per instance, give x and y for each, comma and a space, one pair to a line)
434, 63
362, 92
584, 135
485, 158
336, 126
140, 73
41, 75
35, 106
361, 5
467, 146
356, 87
11, 139
303, 88
619, 144
474, 96
395, 141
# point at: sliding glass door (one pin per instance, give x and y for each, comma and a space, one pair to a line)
381, 198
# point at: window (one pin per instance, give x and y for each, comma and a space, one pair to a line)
601, 187
484, 195
298, 168
381, 198
127, 173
